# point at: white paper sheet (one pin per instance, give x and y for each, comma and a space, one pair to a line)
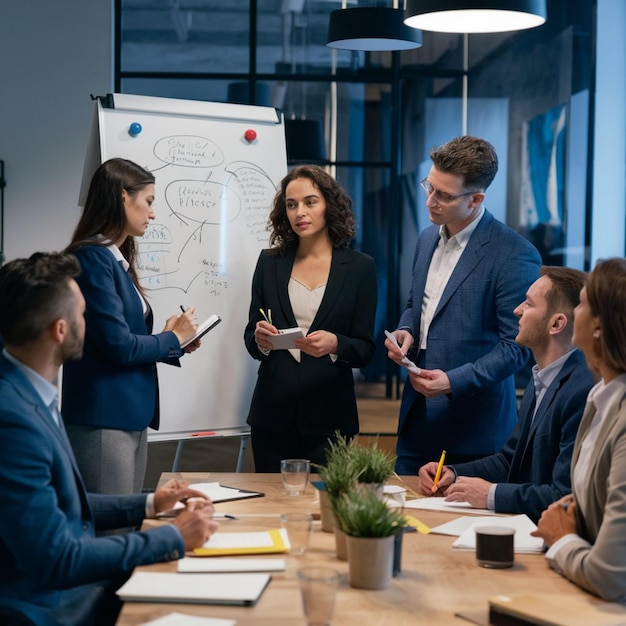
438, 503
190, 565
459, 525
179, 619
523, 542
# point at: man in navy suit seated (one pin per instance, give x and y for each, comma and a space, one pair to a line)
533, 468
49, 554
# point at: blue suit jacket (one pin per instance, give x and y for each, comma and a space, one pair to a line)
114, 385
472, 339
317, 395
533, 468
49, 555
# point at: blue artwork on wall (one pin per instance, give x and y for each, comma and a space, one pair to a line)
543, 181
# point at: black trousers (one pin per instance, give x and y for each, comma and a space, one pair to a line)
270, 447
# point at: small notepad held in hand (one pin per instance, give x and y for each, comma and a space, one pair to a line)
285, 338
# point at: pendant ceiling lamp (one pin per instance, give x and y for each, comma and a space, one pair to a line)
371, 28
474, 16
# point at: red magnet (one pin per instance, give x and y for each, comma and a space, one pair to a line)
250, 135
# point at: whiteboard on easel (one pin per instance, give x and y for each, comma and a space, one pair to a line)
217, 168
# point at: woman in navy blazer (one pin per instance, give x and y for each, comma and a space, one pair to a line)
308, 278
110, 396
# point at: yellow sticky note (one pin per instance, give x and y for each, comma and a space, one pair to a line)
421, 527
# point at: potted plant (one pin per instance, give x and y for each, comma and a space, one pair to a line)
337, 476
370, 527
374, 466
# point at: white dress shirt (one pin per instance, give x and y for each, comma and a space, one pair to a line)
445, 258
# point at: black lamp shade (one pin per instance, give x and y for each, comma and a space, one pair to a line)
371, 28
474, 16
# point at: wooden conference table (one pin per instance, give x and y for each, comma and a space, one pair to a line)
436, 580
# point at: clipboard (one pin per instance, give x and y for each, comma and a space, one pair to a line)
245, 494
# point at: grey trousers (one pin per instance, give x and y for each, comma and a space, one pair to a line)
110, 461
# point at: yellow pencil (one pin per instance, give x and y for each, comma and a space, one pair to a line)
265, 316
439, 470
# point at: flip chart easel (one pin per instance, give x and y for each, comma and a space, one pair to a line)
217, 167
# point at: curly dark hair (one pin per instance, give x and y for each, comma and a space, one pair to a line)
104, 212
339, 216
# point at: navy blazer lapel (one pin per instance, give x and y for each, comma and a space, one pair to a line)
24, 388
471, 256
549, 396
336, 277
526, 410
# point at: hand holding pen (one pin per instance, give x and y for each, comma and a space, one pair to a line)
263, 330
184, 326
438, 472
427, 474
558, 520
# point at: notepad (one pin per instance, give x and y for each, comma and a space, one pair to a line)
193, 565
234, 589
285, 338
203, 329
256, 542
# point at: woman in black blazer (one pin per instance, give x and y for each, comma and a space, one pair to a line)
308, 278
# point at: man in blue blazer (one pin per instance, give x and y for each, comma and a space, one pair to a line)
469, 272
533, 468
49, 555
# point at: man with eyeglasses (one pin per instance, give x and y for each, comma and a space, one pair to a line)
470, 271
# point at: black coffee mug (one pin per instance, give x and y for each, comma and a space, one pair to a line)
494, 546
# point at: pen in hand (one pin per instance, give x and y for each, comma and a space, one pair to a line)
182, 308
438, 473
268, 317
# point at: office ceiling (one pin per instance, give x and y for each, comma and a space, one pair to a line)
192, 35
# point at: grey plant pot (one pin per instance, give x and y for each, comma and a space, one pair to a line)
327, 515
370, 561
341, 544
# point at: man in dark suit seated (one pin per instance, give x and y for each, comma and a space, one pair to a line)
49, 554
533, 468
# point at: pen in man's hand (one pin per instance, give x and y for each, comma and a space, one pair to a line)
438, 474
182, 308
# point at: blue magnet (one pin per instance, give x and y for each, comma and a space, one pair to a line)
134, 129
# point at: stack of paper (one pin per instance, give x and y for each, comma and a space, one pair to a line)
524, 543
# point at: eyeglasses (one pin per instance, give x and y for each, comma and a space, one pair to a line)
441, 196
